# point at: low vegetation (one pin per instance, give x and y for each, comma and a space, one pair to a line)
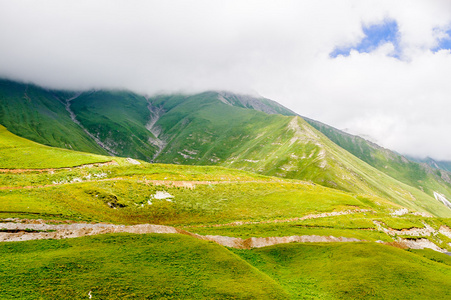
20, 153
352, 271
127, 266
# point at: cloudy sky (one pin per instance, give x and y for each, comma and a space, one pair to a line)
380, 69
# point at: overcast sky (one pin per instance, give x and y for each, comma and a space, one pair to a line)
380, 69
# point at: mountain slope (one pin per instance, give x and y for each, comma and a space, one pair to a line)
420, 176
128, 266
36, 114
118, 119
202, 130
17, 153
427, 175
433, 163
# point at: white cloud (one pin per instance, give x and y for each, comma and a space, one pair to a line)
277, 48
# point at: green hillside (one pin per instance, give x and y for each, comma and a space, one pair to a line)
174, 267
351, 271
126, 266
420, 176
20, 153
118, 119
36, 114
202, 130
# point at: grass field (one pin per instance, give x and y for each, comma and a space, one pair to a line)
162, 266
20, 153
352, 271
126, 266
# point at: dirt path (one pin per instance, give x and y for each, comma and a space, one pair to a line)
112, 162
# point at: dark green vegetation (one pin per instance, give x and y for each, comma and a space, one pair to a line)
36, 114
118, 119
126, 266
162, 266
351, 271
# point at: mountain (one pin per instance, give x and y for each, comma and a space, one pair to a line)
433, 163
225, 129
420, 175
36, 114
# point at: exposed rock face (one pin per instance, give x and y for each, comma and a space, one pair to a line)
420, 244
442, 198
425, 231
159, 141
23, 232
15, 230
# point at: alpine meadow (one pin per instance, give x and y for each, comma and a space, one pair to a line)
139, 161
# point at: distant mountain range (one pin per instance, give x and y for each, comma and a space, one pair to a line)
225, 129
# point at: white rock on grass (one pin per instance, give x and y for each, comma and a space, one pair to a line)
133, 161
160, 195
400, 212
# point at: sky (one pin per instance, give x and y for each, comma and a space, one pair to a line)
378, 69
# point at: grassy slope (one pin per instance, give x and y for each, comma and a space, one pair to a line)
173, 267
36, 114
17, 153
351, 271
392, 164
118, 119
225, 196
202, 130
129, 266
233, 200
